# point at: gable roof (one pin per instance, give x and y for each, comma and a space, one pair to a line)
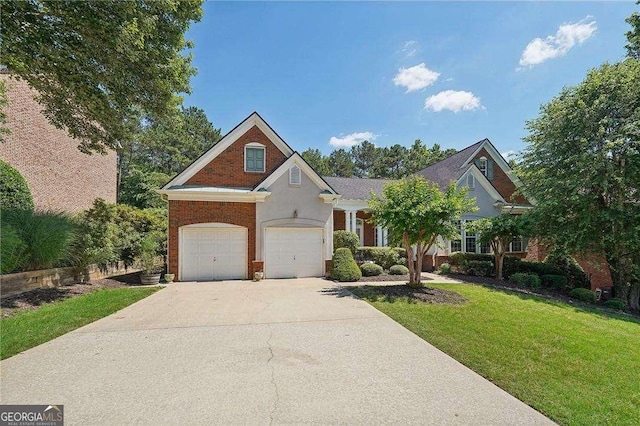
296, 159
451, 168
356, 188
254, 119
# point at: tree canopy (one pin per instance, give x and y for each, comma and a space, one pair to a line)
95, 64
582, 167
633, 35
416, 212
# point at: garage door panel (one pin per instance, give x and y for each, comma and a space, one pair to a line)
213, 254
293, 252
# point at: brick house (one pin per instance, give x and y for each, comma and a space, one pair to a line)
59, 176
251, 203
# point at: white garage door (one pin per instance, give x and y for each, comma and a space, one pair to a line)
293, 252
213, 254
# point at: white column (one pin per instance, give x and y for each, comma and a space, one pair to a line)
385, 237
354, 224
347, 220
379, 236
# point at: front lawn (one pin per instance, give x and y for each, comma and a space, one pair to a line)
577, 366
31, 328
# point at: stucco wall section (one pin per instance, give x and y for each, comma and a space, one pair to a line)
227, 169
59, 175
278, 210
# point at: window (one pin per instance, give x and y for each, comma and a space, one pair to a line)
471, 181
295, 177
254, 157
456, 245
517, 244
485, 248
482, 165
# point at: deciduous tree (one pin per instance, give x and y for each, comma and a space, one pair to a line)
415, 212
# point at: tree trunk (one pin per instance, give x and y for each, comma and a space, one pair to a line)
410, 263
634, 296
499, 262
418, 272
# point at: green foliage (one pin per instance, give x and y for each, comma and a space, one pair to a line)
383, 256
398, 270
617, 304
97, 64
340, 163
370, 269
317, 161
445, 268
525, 280
12, 249
148, 254
138, 189
479, 268
459, 258
538, 268
576, 277
583, 294
633, 35
556, 282
582, 166
343, 267
416, 212
14, 190
4, 130
346, 239
47, 237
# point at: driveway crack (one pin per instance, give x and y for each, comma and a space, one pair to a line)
273, 380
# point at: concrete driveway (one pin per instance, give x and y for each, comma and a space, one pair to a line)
278, 351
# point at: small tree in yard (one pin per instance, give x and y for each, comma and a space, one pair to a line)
498, 231
415, 212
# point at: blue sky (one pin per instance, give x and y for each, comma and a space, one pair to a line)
447, 73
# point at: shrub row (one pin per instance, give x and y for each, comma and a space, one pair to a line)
383, 256
525, 280
583, 295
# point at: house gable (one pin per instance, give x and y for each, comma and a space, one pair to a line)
503, 179
224, 164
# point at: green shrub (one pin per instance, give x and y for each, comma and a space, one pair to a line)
12, 249
343, 267
576, 277
383, 256
556, 282
445, 268
14, 191
47, 237
617, 304
346, 239
370, 269
460, 258
583, 294
398, 270
522, 279
538, 268
479, 268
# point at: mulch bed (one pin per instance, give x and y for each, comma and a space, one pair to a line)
33, 299
422, 295
384, 277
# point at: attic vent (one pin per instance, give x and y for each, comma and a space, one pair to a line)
471, 181
295, 177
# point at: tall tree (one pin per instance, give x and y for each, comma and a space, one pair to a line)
415, 212
582, 166
364, 157
317, 161
340, 163
96, 63
633, 35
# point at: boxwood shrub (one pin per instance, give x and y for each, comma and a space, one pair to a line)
556, 282
520, 266
478, 268
14, 190
398, 270
583, 294
617, 304
525, 280
370, 269
346, 239
344, 267
383, 256
576, 277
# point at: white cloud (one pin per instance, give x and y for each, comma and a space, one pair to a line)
415, 78
509, 154
351, 139
567, 36
453, 100
410, 48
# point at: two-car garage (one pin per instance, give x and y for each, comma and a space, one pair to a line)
220, 252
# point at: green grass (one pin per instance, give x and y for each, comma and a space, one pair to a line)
31, 328
577, 366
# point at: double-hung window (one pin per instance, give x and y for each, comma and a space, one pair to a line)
254, 158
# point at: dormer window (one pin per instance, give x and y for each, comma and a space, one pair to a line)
254, 157
295, 176
485, 166
482, 165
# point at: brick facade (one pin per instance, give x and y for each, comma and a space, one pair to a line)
503, 184
60, 177
183, 213
227, 169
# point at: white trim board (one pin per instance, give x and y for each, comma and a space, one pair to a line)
482, 180
497, 157
252, 120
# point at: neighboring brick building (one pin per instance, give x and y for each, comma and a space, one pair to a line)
59, 175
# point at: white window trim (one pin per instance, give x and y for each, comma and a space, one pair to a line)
291, 182
255, 145
483, 166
